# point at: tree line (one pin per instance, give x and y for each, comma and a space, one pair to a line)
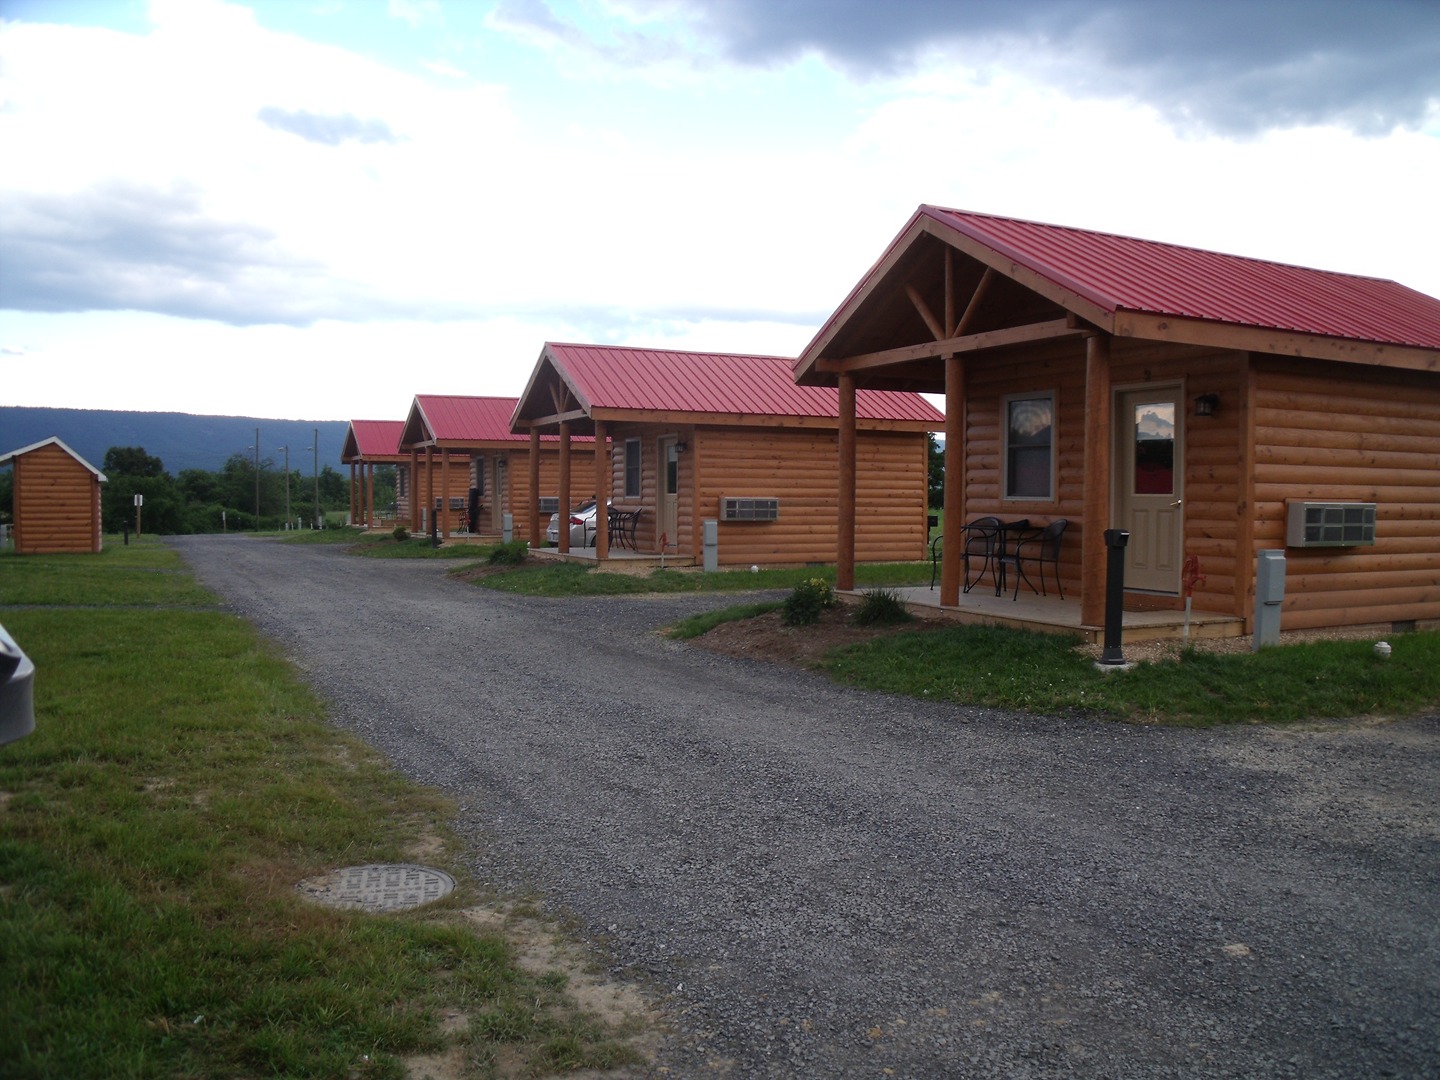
237, 498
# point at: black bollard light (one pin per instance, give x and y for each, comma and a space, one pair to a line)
1115, 541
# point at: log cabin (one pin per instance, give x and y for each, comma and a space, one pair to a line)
688, 437
464, 447
368, 445
56, 499
1208, 406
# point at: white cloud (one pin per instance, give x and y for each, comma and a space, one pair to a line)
244, 220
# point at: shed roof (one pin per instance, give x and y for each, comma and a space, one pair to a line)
372, 439
54, 440
623, 382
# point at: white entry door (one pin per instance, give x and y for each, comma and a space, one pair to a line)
669, 512
1149, 459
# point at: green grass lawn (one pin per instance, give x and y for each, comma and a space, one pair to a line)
1044, 673
179, 784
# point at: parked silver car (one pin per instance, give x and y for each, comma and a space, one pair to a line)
17, 678
582, 526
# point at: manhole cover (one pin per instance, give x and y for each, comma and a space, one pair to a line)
379, 887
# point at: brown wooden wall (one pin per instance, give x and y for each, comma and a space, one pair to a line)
517, 498
1338, 432
456, 485
800, 468
57, 503
1214, 500
1285, 429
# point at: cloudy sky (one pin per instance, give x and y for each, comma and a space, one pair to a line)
316, 209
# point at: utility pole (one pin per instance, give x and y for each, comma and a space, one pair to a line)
256, 448
286, 448
315, 446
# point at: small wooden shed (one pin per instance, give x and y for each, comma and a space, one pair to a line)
690, 436
1210, 406
369, 444
57, 499
463, 446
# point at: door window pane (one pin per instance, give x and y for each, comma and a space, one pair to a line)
672, 469
1155, 448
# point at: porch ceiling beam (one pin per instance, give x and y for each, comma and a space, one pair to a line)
934, 350
973, 307
561, 397
557, 418
925, 313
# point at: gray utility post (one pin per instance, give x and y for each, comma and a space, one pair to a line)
1269, 596
710, 533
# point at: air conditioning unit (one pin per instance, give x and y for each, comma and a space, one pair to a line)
1329, 524
749, 509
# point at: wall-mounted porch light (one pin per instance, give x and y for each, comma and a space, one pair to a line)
1207, 404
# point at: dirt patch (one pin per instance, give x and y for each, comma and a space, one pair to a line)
766, 637
541, 950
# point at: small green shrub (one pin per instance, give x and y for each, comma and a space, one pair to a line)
401, 533
804, 605
511, 554
880, 607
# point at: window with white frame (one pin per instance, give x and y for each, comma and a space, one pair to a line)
1029, 426
632, 468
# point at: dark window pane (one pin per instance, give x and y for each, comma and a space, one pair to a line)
1028, 438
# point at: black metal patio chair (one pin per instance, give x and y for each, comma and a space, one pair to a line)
1040, 546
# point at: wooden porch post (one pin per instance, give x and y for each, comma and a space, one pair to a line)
425, 518
367, 493
564, 532
603, 480
845, 530
953, 519
532, 514
445, 493
414, 490
1097, 479
352, 493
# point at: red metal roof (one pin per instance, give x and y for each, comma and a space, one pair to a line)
616, 377
1123, 273
373, 438
455, 418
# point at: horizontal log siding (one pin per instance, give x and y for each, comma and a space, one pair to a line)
57, 504
517, 493
1329, 432
800, 468
1213, 493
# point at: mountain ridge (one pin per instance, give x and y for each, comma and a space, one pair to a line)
180, 440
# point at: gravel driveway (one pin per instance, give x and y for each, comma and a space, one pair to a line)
824, 882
